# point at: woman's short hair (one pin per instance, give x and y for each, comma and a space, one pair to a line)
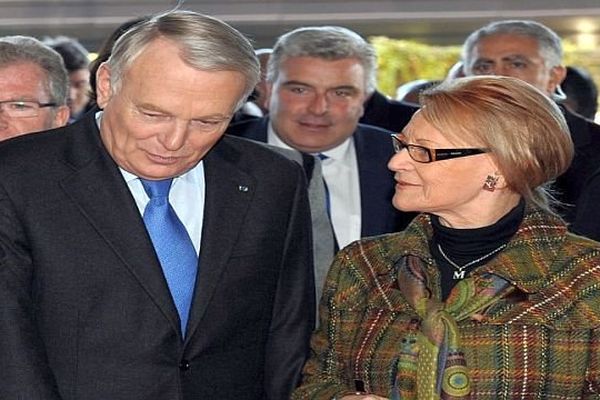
329, 43
524, 129
206, 43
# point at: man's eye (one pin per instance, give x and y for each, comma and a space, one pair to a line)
343, 93
154, 115
298, 90
518, 64
18, 106
482, 68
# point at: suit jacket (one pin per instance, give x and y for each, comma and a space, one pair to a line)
587, 220
85, 312
373, 151
517, 348
386, 113
570, 185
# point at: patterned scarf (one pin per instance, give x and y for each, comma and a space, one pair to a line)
433, 353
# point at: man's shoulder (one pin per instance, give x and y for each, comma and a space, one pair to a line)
583, 131
256, 154
369, 137
255, 129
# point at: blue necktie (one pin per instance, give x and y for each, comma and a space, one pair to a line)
173, 246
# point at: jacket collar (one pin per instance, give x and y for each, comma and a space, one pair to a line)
528, 261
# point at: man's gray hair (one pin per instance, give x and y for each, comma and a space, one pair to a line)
206, 44
18, 49
327, 42
549, 42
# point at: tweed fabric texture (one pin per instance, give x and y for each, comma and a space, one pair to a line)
541, 342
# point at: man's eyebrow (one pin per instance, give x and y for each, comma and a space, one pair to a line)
295, 83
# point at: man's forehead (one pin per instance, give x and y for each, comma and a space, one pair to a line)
507, 42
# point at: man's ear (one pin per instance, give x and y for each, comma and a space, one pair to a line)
557, 75
103, 86
61, 116
268, 91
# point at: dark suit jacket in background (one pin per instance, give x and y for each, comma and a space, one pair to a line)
386, 113
587, 221
85, 312
570, 185
373, 151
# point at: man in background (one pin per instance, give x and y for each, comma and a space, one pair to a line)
318, 81
76, 59
532, 52
33, 87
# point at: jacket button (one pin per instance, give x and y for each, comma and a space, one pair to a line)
184, 365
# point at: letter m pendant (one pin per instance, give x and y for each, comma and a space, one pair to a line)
459, 275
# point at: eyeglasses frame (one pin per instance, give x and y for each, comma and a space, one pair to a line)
39, 105
434, 154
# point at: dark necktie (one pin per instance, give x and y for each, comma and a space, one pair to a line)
336, 247
323, 157
173, 246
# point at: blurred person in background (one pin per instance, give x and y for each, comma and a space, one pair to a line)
33, 87
581, 92
532, 52
409, 92
76, 59
317, 82
485, 295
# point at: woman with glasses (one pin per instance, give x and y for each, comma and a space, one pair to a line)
485, 295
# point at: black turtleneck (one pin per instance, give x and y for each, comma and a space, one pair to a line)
465, 245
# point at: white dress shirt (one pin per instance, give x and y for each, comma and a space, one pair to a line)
340, 171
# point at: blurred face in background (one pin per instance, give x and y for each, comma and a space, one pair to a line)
517, 56
315, 104
79, 89
26, 82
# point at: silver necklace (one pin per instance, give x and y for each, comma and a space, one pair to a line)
460, 270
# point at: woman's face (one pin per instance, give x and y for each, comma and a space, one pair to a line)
448, 188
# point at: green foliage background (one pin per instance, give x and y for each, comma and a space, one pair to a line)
401, 61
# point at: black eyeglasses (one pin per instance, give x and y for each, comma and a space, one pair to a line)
23, 109
424, 154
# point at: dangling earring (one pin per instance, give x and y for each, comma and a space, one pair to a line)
490, 183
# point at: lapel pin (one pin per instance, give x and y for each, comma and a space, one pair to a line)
243, 188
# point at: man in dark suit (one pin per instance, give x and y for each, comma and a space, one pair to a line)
386, 113
532, 52
142, 254
318, 80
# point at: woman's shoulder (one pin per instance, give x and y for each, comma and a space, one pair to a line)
571, 298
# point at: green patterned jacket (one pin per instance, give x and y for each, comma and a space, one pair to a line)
546, 345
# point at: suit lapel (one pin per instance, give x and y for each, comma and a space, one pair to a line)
100, 192
229, 192
376, 181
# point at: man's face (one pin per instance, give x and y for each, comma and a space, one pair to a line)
79, 90
166, 115
25, 81
315, 104
517, 56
